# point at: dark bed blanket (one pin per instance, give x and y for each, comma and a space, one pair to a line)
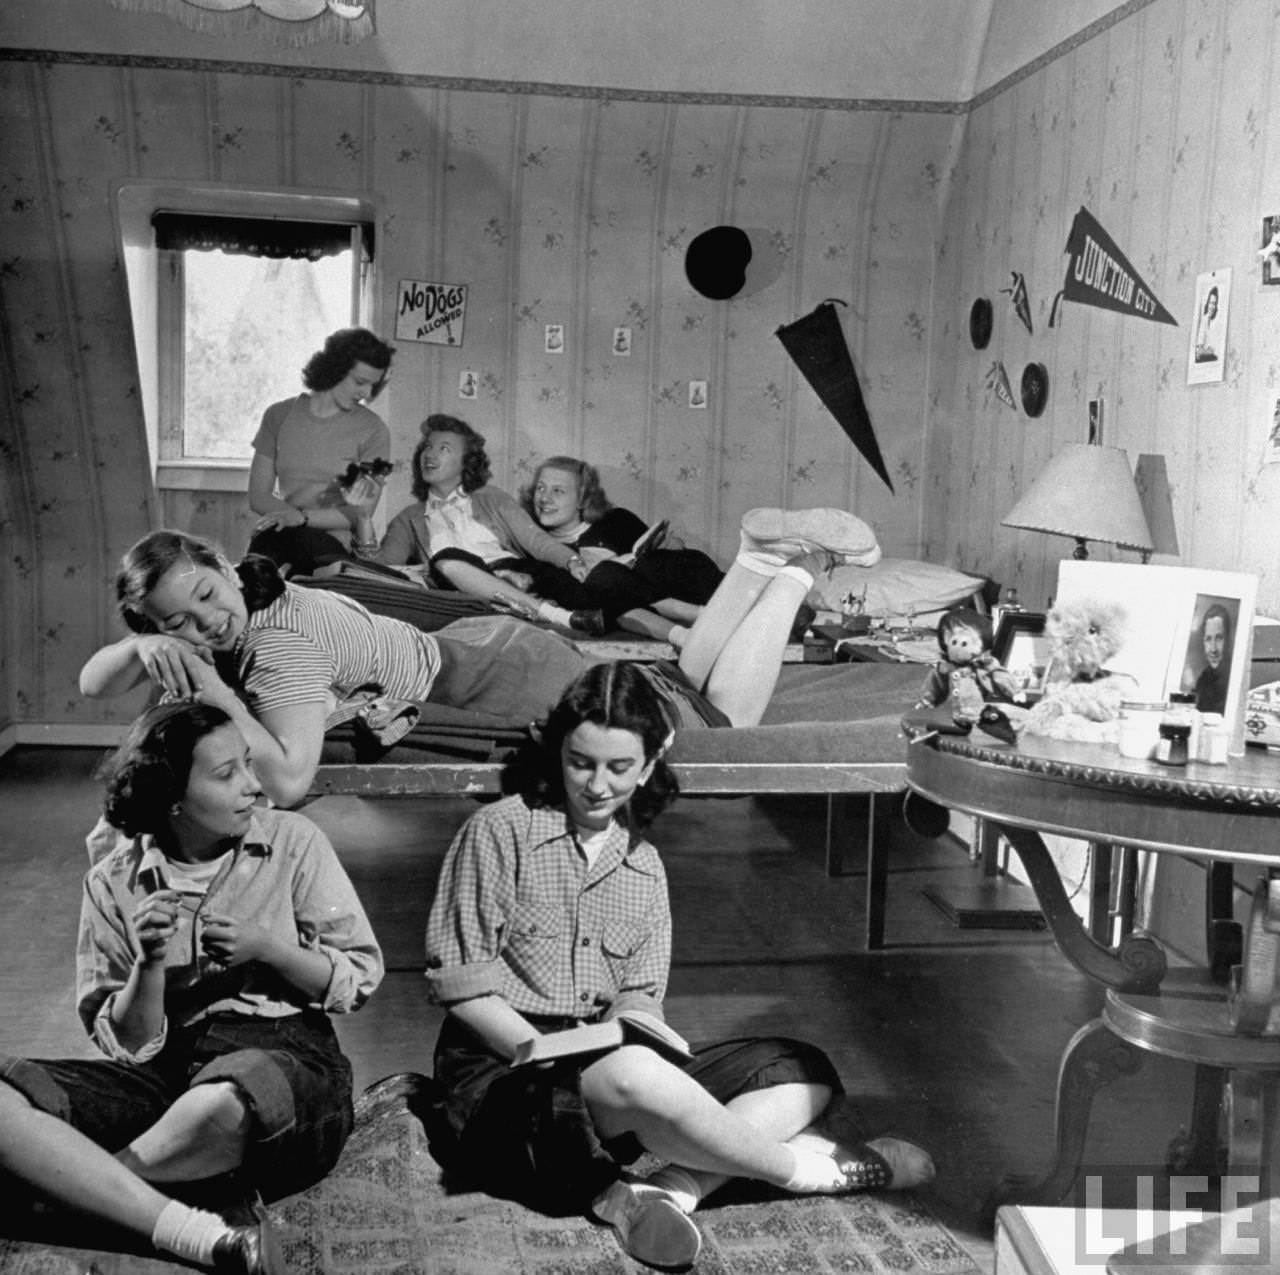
819, 712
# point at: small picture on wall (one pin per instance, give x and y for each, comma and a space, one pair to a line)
1269, 253
622, 341
1206, 359
468, 384
554, 339
697, 394
1272, 454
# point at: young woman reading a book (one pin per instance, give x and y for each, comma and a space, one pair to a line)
280, 658
552, 911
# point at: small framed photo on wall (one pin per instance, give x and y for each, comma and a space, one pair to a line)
1207, 357
1269, 253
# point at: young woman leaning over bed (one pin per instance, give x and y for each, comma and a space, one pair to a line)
279, 658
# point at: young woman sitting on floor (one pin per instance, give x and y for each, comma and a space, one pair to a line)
214, 944
291, 655
569, 853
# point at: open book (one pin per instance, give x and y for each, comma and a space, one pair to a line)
633, 1028
650, 538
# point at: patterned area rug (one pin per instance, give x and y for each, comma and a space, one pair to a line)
383, 1211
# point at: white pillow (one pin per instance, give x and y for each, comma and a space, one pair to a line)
896, 587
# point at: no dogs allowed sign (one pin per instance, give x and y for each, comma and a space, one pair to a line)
431, 312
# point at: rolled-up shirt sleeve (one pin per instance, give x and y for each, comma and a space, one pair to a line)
468, 918
331, 920
105, 954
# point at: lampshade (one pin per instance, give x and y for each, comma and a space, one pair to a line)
1087, 492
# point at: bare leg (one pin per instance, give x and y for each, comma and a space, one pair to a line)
632, 1090
62, 1163
681, 612
719, 621
647, 623
479, 583
203, 1134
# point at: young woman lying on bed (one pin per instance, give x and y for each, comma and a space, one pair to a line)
279, 658
655, 590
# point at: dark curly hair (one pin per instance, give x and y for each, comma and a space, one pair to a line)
593, 504
616, 695
342, 351
476, 469
148, 774
146, 561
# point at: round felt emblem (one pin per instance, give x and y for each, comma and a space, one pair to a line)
1035, 388
980, 323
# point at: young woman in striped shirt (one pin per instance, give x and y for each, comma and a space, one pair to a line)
280, 658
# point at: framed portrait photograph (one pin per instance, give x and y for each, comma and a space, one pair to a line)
1210, 655
1165, 641
1207, 356
1022, 648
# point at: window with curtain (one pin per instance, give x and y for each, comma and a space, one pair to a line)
244, 302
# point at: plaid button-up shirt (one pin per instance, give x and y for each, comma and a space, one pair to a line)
284, 875
519, 914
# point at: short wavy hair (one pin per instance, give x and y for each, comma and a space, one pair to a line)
342, 351
476, 469
593, 504
1218, 612
148, 774
147, 561
614, 694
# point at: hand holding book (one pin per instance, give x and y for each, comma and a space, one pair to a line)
632, 1027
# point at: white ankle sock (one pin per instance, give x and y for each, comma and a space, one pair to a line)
679, 1184
554, 614
795, 572
187, 1232
814, 1171
763, 564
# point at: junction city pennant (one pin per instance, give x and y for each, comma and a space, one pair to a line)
1099, 274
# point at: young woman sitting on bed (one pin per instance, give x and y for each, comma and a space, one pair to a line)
656, 591
278, 658
473, 537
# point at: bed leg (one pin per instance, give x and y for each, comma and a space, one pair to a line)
875, 812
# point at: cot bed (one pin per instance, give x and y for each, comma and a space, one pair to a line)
831, 730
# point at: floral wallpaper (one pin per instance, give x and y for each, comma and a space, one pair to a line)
567, 210
1164, 126
577, 209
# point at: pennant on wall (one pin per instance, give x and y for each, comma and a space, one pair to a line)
1019, 299
1099, 274
817, 346
998, 380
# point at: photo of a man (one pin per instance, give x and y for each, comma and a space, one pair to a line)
1207, 670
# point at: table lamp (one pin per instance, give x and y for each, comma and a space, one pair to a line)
1087, 492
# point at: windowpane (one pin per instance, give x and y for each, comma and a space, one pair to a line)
251, 323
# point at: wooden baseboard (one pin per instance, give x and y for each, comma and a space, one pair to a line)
63, 734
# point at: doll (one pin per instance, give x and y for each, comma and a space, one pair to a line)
968, 675
1083, 697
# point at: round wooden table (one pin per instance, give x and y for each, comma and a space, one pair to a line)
1090, 792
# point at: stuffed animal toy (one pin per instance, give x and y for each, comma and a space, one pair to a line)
1083, 697
968, 675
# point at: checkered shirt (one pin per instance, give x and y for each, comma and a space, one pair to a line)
518, 914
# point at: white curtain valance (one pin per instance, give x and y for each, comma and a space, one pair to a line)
293, 22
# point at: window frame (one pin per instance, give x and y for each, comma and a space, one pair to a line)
155, 281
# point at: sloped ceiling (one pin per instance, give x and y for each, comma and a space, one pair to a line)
912, 51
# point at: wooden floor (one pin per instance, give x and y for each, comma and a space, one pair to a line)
948, 1037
